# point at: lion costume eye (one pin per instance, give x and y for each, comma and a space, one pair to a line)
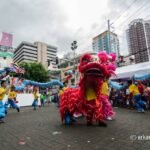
95, 59
87, 60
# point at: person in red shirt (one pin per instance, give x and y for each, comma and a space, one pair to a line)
141, 87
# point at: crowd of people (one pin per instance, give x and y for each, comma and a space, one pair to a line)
135, 96
12, 102
11, 99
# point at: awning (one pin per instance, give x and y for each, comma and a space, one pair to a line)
142, 77
131, 70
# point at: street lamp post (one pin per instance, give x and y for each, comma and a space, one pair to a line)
74, 47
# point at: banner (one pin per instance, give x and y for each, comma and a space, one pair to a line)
6, 39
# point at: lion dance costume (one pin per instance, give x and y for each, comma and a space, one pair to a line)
88, 99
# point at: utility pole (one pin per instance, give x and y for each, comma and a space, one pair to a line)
109, 38
74, 47
145, 34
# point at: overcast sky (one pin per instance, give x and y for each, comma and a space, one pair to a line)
59, 22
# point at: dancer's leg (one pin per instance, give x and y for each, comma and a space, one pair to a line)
13, 104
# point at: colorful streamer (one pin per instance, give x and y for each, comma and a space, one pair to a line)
44, 85
116, 85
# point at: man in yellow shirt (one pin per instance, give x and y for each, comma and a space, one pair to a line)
65, 86
61, 91
3, 92
36, 96
134, 92
12, 98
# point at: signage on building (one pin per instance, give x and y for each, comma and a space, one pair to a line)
6, 54
6, 39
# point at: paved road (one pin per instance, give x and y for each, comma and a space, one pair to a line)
42, 130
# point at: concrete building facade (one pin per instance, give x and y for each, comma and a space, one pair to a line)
101, 43
67, 66
138, 38
125, 60
35, 52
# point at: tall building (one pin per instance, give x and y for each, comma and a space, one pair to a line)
35, 52
138, 37
101, 43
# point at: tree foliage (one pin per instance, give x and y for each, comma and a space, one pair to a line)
35, 71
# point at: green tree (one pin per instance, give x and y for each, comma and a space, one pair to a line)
35, 71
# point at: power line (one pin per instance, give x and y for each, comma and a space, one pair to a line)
131, 16
140, 51
126, 10
135, 13
122, 24
133, 2
92, 34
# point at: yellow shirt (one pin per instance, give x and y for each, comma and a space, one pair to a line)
134, 89
2, 93
90, 94
61, 92
12, 95
36, 96
65, 88
105, 89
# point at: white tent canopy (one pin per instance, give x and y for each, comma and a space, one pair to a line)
129, 71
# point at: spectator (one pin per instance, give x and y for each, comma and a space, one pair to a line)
43, 98
147, 95
134, 92
36, 96
12, 99
141, 87
112, 97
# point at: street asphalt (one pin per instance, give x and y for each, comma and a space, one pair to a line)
43, 130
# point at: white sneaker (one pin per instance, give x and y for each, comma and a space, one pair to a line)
143, 111
139, 111
77, 115
109, 118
